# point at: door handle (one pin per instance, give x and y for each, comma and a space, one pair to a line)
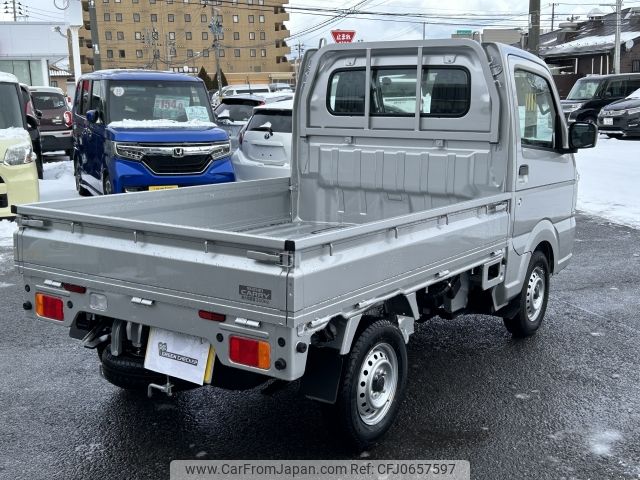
523, 174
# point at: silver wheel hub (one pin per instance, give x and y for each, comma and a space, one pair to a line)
536, 290
377, 383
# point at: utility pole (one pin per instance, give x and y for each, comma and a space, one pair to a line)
534, 26
15, 17
424, 30
216, 28
97, 64
616, 50
553, 14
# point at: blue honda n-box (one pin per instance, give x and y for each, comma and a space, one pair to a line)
137, 130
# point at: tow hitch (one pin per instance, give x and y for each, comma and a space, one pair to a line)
166, 388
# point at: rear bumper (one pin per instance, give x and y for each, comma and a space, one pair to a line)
622, 125
56, 140
132, 175
19, 185
180, 316
258, 171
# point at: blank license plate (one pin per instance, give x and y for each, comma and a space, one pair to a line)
607, 121
162, 187
178, 355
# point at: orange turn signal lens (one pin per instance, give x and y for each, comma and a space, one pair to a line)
49, 307
246, 351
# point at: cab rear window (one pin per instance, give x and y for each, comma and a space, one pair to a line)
278, 120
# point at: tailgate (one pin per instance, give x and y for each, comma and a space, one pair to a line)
160, 266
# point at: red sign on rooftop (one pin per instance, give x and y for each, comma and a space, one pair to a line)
343, 36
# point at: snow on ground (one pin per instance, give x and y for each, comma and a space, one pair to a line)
609, 177
6, 233
58, 182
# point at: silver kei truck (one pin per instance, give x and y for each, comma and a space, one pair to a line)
430, 178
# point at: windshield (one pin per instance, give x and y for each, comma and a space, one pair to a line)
10, 110
237, 112
584, 89
153, 100
48, 101
279, 121
635, 94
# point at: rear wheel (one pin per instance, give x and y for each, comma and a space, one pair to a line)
532, 301
373, 383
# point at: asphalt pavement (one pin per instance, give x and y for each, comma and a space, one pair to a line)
564, 404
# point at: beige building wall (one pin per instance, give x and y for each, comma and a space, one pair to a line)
174, 34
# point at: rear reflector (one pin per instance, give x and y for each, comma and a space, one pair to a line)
254, 353
49, 307
216, 317
69, 287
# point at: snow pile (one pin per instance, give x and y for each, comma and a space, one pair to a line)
59, 182
601, 443
608, 185
6, 233
128, 123
14, 133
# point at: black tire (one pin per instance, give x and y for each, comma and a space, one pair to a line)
128, 372
82, 191
107, 186
531, 304
347, 415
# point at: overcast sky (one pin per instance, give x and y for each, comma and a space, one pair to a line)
440, 22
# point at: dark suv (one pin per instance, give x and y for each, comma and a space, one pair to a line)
593, 92
56, 121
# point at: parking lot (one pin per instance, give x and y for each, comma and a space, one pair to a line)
563, 404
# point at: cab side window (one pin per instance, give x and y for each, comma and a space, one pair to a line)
537, 112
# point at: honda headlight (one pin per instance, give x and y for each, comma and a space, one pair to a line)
633, 111
571, 107
220, 150
19, 154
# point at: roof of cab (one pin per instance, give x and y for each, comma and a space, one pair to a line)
132, 74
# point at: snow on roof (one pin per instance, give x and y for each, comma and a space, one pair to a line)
128, 123
8, 77
14, 133
282, 105
592, 43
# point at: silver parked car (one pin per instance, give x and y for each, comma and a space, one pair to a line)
265, 143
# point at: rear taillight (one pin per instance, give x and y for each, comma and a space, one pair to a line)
68, 119
70, 287
49, 307
253, 353
216, 317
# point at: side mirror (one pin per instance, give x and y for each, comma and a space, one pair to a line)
38, 113
582, 135
32, 122
93, 116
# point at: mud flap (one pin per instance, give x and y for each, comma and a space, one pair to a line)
322, 374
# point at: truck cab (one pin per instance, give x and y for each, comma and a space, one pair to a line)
140, 130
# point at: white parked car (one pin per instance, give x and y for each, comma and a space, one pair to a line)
265, 143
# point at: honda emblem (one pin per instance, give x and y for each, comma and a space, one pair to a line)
178, 152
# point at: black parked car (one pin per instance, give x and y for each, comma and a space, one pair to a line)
591, 93
622, 118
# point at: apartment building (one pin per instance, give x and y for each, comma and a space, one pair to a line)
177, 35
